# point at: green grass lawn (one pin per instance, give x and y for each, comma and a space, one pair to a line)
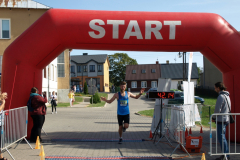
148, 113
77, 101
80, 99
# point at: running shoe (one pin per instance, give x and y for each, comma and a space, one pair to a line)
120, 141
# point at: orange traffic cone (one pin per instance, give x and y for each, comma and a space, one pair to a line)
37, 143
190, 131
42, 154
201, 131
186, 133
150, 135
203, 157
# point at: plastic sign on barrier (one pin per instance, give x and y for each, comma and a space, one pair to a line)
161, 95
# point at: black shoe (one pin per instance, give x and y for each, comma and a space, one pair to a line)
124, 129
222, 158
120, 141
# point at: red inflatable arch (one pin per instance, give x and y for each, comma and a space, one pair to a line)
59, 29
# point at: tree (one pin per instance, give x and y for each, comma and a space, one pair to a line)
118, 63
85, 88
200, 71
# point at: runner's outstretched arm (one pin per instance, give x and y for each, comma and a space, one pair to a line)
137, 96
111, 100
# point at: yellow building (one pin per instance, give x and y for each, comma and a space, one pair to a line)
15, 17
84, 67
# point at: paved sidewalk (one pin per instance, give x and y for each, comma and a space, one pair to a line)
101, 123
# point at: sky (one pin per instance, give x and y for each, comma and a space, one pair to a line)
229, 10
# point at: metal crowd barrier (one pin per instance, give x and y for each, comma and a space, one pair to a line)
13, 127
173, 126
193, 112
231, 136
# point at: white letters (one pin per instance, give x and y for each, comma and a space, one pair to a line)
172, 31
115, 24
133, 29
149, 29
101, 30
133, 24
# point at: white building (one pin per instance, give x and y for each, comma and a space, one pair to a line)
175, 72
51, 82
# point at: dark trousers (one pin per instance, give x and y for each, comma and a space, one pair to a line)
53, 106
38, 121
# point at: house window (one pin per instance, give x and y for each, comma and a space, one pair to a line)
72, 69
143, 71
134, 84
45, 72
60, 65
92, 68
52, 72
4, 28
153, 70
154, 84
1, 57
144, 84
84, 68
49, 72
99, 68
133, 71
79, 69
56, 73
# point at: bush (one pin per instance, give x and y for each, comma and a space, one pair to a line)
78, 94
85, 88
96, 98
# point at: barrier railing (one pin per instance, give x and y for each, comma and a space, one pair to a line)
193, 112
173, 126
174, 119
231, 136
13, 127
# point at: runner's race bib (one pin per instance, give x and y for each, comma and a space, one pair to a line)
123, 102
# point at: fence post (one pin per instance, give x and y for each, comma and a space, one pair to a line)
209, 112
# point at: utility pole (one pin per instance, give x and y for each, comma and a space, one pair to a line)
184, 63
48, 82
183, 66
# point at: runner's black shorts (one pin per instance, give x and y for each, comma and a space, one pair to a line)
121, 118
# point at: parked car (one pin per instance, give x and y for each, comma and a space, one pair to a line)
151, 90
200, 99
179, 98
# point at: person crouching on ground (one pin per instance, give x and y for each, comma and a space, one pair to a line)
123, 107
3, 96
38, 113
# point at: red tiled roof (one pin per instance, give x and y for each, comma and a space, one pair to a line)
142, 76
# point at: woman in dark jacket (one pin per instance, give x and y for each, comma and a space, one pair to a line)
38, 114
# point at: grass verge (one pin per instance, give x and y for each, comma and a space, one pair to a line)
77, 101
148, 113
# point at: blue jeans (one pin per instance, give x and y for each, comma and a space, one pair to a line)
221, 130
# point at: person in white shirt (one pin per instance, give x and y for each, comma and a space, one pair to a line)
54, 102
3, 96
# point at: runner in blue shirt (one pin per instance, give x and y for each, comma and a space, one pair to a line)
123, 107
